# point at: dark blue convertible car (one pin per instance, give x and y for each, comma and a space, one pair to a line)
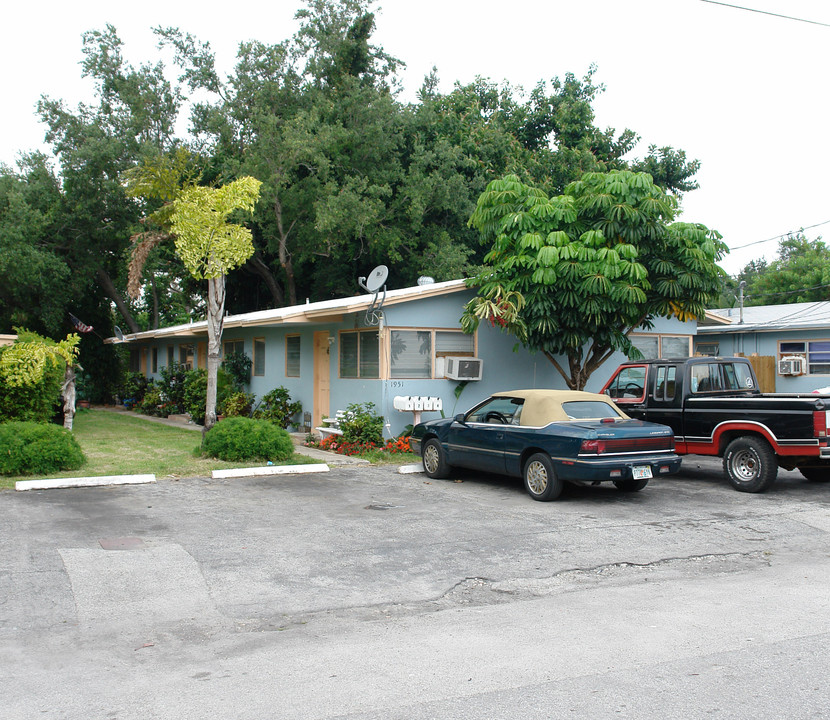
549, 437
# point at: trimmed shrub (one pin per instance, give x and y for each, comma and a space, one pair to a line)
30, 448
240, 438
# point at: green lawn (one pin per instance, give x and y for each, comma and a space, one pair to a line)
121, 444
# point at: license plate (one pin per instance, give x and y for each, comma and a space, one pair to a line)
641, 472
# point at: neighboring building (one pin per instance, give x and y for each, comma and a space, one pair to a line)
333, 353
796, 336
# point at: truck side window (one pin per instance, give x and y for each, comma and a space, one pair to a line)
629, 384
666, 375
705, 378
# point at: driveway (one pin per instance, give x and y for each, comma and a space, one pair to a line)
363, 593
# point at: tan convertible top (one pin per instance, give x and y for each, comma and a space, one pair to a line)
545, 406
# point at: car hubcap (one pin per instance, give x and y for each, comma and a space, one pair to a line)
431, 458
537, 477
745, 465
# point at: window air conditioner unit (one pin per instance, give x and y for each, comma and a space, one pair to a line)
463, 368
792, 365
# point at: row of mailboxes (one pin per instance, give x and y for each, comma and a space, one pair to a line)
415, 403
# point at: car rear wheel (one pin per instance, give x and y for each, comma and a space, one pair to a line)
541, 482
631, 485
816, 474
435, 460
750, 464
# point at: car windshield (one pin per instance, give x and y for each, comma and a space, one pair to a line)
502, 410
584, 409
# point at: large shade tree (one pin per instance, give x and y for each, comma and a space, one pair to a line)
572, 275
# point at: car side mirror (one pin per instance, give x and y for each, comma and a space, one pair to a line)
460, 418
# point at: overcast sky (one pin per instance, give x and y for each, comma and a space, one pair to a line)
744, 92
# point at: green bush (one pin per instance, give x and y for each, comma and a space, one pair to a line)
238, 404
172, 387
151, 403
38, 402
276, 407
132, 388
238, 366
362, 425
195, 392
237, 439
30, 448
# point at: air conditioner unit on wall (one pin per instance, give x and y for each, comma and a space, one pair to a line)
791, 365
463, 368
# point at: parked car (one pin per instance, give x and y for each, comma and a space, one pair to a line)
548, 437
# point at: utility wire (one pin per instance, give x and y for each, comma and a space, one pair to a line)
786, 292
782, 235
764, 12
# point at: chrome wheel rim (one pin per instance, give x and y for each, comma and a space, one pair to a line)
745, 465
431, 459
537, 477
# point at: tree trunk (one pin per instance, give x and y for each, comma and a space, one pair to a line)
286, 261
155, 302
215, 318
258, 266
109, 288
68, 392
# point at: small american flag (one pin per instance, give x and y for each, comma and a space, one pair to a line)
79, 326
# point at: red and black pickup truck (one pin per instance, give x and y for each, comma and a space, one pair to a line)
715, 407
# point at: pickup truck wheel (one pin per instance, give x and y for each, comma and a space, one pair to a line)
750, 464
631, 485
541, 482
816, 474
435, 460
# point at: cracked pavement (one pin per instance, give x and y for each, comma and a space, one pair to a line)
368, 594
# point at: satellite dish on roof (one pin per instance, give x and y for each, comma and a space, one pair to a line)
376, 279
118, 333
373, 284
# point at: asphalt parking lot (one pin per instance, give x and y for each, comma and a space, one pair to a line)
363, 593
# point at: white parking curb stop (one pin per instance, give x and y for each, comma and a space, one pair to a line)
270, 470
83, 482
409, 469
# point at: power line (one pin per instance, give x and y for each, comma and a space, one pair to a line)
782, 235
787, 292
764, 12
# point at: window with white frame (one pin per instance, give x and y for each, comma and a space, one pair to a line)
662, 346
292, 356
816, 354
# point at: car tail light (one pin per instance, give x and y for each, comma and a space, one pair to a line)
820, 423
621, 445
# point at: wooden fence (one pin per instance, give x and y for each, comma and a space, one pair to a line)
764, 366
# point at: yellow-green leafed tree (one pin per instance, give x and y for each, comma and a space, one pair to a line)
30, 372
210, 246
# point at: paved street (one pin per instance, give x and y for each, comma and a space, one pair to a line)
363, 593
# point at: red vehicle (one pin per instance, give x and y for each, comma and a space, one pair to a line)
715, 407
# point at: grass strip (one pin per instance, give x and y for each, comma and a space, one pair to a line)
121, 444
